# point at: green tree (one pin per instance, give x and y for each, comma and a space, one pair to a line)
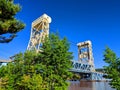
22, 73
113, 68
46, 70
56, 59
8, 23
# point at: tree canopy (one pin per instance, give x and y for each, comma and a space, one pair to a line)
113, 68
45, 70
8, 23
56, 58
21, 74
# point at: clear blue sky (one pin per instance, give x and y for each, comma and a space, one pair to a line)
78, 20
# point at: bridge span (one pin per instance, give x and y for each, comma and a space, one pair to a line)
85, 63
87, 71
5, 61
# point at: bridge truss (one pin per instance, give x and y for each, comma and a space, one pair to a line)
85, 63
39, 30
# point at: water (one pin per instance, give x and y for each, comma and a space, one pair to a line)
86, 85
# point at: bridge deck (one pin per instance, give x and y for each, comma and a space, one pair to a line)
5, 61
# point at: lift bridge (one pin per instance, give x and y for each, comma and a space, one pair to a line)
84, 66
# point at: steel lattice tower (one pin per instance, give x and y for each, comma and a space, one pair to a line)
39, 30
85, 54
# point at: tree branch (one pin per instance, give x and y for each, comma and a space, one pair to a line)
3, 39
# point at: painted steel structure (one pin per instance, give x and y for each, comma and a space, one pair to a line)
85, 63
5, 61
82, 67
85, 54
39, 30
86, 69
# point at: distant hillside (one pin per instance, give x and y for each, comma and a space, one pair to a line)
100, 70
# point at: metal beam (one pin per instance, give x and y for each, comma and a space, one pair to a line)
5, 61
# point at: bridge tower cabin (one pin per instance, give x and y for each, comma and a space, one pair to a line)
39, 30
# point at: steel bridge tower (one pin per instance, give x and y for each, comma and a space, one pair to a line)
85, 54
39, 30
